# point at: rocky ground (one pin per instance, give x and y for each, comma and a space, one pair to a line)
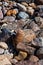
21, 32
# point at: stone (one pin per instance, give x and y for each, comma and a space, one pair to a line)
39, 21
9, 12
38, 42
5, 61
27, 63
1, 14
21, 56
23, 15
21, 7
26, 48
10, 18
34, 26
40, 53
3, 45
33, 5
30, 10
13, 61
25, 4
6, 4
26, 35
1, 51
41, 62
40, 13
34, 58
15, 11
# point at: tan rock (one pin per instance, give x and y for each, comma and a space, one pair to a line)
21, 56
34, 58
32, 5
9, 12
25, 4
5, 61
3, 45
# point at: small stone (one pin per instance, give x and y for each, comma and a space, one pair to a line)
26, 48
34, 26
22, 7
3, 45
21, 56
40, 53
15, 11
41, 62
32, 5
33, 58
1, 15
39, 21
10, 18
1, 51
38, 42
13, 61
30, 10
25, 4
5, 61
5, 4
9, 12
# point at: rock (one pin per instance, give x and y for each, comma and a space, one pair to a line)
9, 12
33, 58
40, 53
27, 63
13, 61
34, 26
1, 51
32, 5
10, 18
40, 13
21, 56
15, 11
30, 10
39, 21
39, 2
1, 15
41, 62
41, 33
6, 4
23, 15
25, 4
5, 61
23, 47
21, 7
3, 45
38, 42
26, 35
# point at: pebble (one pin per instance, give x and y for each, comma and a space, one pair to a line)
3, 45
23, 15
30, 10
21, 56
25, 4
1, 51
1, 15
34, 58
26, 48
22, 7
5, 61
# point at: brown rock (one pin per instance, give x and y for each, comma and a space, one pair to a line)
23, 47
25, 4
21, 56
9, 12
34, 26
34, 58
32, 5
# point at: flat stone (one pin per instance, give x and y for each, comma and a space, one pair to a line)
23, 15
1, 15
21, 7
3, 45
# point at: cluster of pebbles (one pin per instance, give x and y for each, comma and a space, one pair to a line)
21, 32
